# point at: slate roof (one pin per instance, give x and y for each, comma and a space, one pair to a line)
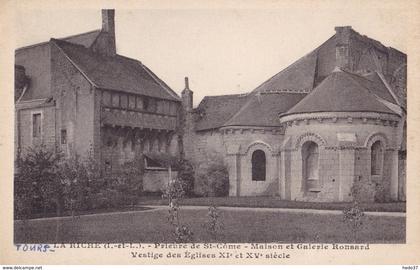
36, 60
298, 76
85, 39
163, 159
341, 92
376, 86
214, 111
262, 109
116, 72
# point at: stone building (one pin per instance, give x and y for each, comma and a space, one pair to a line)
78, 96
333, 120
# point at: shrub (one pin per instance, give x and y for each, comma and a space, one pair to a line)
212, 177
354, 218
76, 190
37, 182
213, 226
186, 176
362, 190
174, 192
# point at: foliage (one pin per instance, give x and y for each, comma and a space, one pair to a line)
362, 190
76, 188
37, 182
212, 177
213, 225
354, 217
174, 192
186, 176
381, 193
45, 181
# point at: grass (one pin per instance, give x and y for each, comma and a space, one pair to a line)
273, 202
150, 226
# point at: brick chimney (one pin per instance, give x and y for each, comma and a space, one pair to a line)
105, 44
108, 24
187, 96
342, 49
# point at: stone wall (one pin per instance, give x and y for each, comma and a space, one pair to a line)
156, 180
24, 126
344, 155
74, 97
240, 143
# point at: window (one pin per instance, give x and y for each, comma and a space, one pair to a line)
115, 100
258, 165
146, 103
124, 101
376, 158
310, 172
139, 103
152, 105
36, 128
131, 102
63, 136
106, 98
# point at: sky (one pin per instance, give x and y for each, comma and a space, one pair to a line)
222, 51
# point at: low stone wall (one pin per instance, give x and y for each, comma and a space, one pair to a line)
156, 180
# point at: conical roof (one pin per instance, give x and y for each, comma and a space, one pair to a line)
340, 92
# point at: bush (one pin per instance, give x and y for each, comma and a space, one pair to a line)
174, 193
76, 190
212, 177
213, 225
362, 190
44, 182
37, 185
116, 189
186, 176
354, 217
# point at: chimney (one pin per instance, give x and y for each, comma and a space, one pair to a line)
108, 24
187, 96
105, 43
342, 49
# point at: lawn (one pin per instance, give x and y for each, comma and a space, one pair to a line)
239, 226
274, 202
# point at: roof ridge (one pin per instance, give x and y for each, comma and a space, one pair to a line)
227, 95
238, 112
292, 64
159, 81
54, 41
374, 96
64, 39
357, 89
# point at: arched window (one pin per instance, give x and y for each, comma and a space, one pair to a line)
258, 165
376, 158
310, 172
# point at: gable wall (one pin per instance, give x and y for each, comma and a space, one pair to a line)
75, 104
36, 61
24, 129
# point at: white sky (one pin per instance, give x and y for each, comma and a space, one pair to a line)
222, 51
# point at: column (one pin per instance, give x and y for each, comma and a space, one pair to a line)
394, 174
346, 173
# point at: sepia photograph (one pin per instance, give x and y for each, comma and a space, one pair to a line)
107, 151
200, 132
